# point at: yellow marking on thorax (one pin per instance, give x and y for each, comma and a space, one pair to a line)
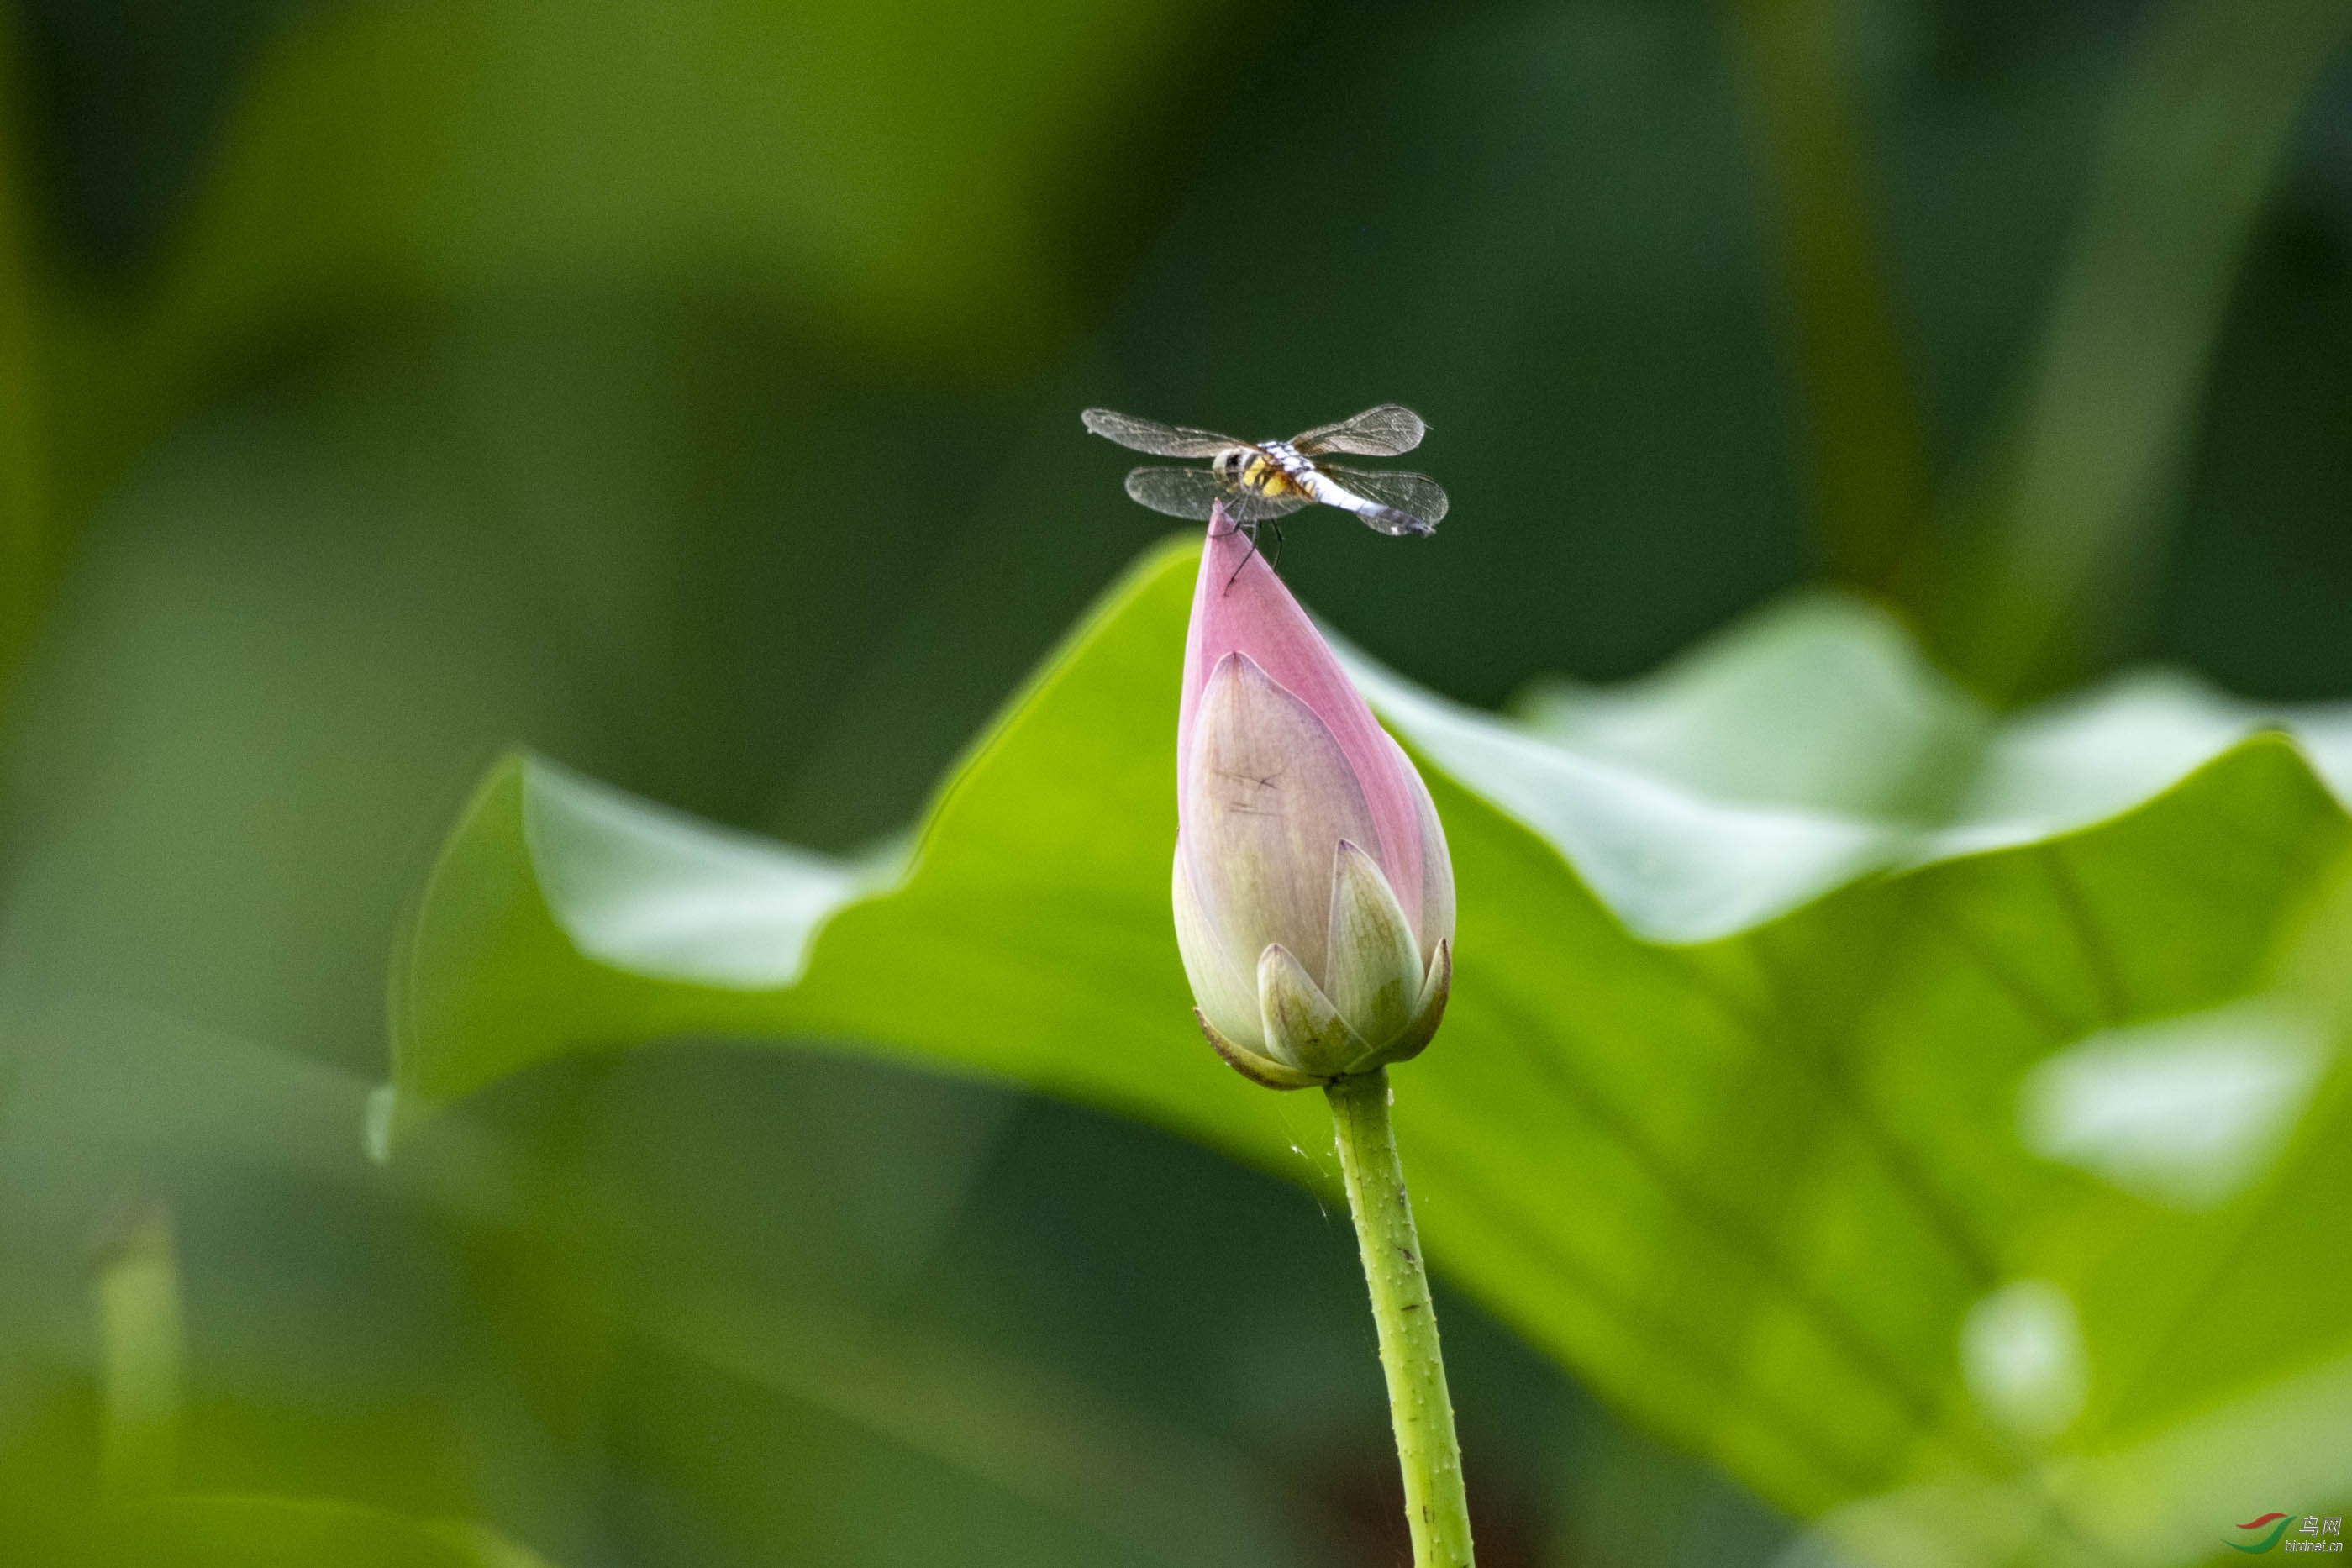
1265, 475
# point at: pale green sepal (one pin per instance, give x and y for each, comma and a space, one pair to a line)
1425, 1014
1374, 974
1302, 1028
1258, 1069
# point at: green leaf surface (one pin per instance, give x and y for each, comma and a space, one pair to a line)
1868, 1095
229, 1530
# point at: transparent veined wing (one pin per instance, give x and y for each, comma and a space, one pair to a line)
1387, 431
1152, 437
1415, 494
1178, 492
1195, 493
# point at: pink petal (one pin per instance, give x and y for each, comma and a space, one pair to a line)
1434, 919
1270, 798
1239, 605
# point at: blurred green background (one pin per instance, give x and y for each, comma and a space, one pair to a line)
691, 393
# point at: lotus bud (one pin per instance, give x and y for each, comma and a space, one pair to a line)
1314, 897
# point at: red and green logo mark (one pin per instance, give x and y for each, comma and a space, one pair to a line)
2263, 1534
2271, 1526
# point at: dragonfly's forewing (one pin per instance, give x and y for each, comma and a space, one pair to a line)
1416, 494
1152, 437
1387, 431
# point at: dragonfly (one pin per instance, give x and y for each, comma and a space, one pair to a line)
1259, 482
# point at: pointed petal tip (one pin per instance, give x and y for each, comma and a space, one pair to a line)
1245, 586
1428, 1011
1373, 971
1301, 1026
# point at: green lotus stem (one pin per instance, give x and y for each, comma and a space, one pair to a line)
1436, 1505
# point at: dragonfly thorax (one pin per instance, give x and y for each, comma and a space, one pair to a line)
1271, 470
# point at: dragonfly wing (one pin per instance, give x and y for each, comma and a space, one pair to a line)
1179, 492
1388, 431
1196, 493
1152, 437
1416, 495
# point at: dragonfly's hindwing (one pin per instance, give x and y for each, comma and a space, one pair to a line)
1179, 492
1417, 496
1197, 492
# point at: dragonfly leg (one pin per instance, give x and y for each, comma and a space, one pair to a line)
1253, 530
1250, 531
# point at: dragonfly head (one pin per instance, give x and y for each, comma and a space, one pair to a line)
1231, 463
